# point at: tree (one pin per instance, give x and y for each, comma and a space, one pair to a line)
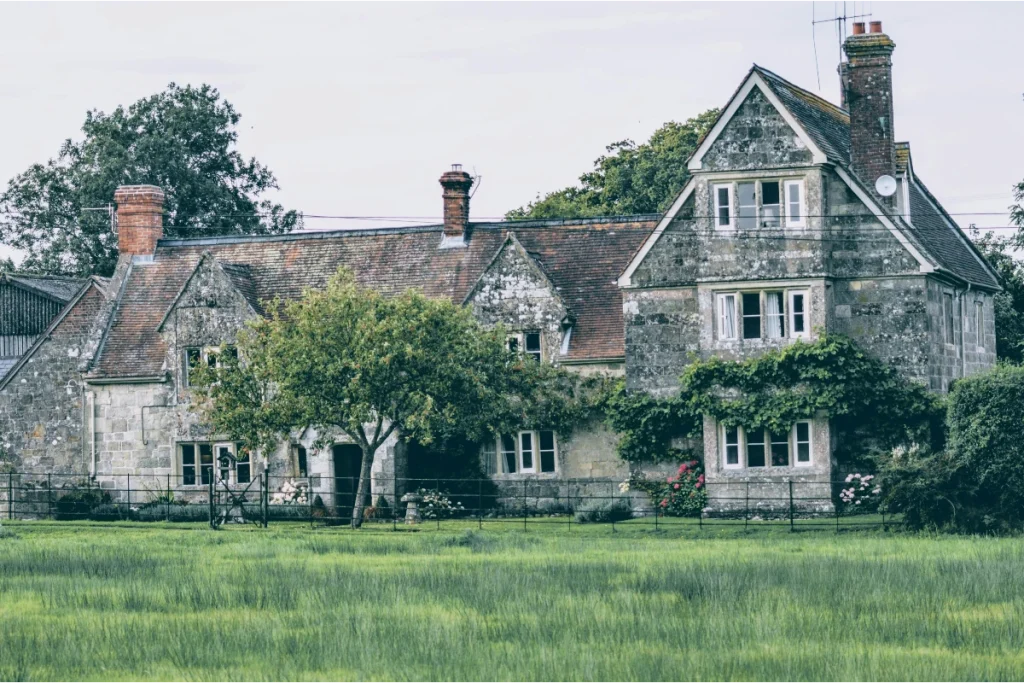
630, 178
1009, 303
350, 359
181, 139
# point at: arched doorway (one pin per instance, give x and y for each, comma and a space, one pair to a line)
348, 458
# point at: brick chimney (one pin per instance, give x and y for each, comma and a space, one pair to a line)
456, 184
140, 219
867, 85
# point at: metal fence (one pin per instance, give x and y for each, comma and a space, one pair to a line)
425, 503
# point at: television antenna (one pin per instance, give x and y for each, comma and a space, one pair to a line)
840, 21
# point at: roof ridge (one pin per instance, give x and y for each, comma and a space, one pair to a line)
818, 99
44, 276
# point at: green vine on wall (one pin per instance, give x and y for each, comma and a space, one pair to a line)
869, 403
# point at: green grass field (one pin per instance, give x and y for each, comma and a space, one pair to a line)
294, 603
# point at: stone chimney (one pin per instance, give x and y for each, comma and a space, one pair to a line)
456, 184
140, 219
867, 86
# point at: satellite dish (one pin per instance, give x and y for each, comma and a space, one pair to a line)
885, 185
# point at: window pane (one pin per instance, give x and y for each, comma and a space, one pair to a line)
799, 322
508, 453
206, 463
803, 452
732, 446
802, 434
546, 441
533, 345
300, 460
722, 201
803, 431
728, 326
243, 471
747, 206
795, 214
775, 323
192, 360
755, 448
771, 206
752, 316
526, 449
780, 450
188, 465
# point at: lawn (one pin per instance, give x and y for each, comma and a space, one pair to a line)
547, 604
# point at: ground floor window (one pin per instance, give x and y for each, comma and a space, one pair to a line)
199, 462
761, 448
300, 461
527, 452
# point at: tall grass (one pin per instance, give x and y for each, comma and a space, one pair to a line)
79, 603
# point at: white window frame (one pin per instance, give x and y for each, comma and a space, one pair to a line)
790, 222
722, 332
535, 452
757, 203
538, 354
743, 315
794, 444
742, 444
728, 187
791, 314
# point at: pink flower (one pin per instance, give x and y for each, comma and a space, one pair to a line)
676, 487
664, 503
700, 479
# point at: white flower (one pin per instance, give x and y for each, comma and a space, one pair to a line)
624, 486
849, 478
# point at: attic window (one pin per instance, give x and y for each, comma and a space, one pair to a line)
761, 203
533, 348
213, 356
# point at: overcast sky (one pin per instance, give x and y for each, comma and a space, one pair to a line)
358, 109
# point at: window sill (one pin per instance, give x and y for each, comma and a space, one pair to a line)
520, 476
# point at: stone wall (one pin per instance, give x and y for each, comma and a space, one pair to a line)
41, 406
757, 136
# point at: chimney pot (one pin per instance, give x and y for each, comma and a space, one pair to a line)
456, 184
140, 219
876, 27
858, 28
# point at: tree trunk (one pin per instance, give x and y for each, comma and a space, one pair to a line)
363, 489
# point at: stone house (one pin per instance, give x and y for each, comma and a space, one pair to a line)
801, 216
105, 392
804, 217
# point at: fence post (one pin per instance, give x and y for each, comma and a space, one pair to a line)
129, 491
167, 500
213, 524
265, 497
10, 495
394, 496
49, 495
480, 503
656, 506
438, 489
568, 501
791, 505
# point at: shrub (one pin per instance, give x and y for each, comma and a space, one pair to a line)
603, 511
437, 505
860, 493
113, 512
175, 513
79, 501
682, 494
977, 483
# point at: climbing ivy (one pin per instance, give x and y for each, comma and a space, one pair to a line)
869, 403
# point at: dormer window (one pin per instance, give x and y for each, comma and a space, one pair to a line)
760, 204
527, 343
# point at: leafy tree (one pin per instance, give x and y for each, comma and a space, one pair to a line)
181, 139
630, 178
1009, 303
350, 359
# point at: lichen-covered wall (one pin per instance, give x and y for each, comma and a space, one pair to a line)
757, 136
41, 408
662, 330
515, 292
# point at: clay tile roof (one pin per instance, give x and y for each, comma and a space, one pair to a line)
582, 258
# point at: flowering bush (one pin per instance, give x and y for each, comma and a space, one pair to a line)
682, 494
291, 493
437, 505
862, 490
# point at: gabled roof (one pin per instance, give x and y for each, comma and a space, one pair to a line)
55, 287
929, 233
237, 274
581, 258
512, 242
85, 285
